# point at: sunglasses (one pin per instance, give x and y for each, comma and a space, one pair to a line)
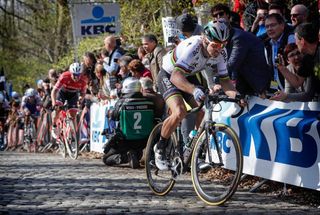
76, 75
215, 15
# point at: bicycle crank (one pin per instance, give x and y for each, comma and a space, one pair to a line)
176, 167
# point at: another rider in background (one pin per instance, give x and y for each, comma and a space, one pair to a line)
67, 89
31, 102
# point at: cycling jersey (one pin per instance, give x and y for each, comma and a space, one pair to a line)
33, 107
66, 83
188, 58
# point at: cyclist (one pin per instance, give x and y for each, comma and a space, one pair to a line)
66, 89
15, 97
31, 102
176, 79
30, 106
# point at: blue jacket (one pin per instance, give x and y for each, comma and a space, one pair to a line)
247, 62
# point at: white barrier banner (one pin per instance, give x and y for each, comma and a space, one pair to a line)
169, 29
280, 141
94, 19
98, 122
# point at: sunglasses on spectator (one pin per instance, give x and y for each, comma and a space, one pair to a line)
295, 15
292, 54
215, 15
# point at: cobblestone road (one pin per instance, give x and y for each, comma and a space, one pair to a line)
50, 184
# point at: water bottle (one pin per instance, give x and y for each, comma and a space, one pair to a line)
187, 148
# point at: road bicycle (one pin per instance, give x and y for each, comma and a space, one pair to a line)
67, 139
29, 134
207, 160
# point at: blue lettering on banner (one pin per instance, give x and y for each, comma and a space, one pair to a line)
250, 126
96, 135
98, 24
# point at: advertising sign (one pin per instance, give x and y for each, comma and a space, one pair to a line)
91, 19
280, 141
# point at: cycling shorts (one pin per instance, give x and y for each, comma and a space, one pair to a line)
71, 97
168, 89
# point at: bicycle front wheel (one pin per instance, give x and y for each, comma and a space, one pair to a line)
216, 165
71, 140
160, 182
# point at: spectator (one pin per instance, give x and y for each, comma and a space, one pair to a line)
148, 92
258, 26
53, 77
110, 63
303, 93
123, 147
250, 13
138, 70
246, 62
88, 63
154, 54
141, 52
307, 40
299, 14
279, 36
188, 26
235, 20
102, 76
220, 11
124, 67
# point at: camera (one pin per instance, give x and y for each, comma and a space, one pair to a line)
172, 39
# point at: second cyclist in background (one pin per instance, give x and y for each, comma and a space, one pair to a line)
67, 88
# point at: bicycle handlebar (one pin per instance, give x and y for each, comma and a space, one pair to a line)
216, 98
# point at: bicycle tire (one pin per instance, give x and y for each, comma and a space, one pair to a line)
33, 135
3, 141
43, 130
216, 183
71, 141
160, 182
13, 135
62, 148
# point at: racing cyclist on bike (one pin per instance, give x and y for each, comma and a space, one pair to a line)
66, 89
177, 81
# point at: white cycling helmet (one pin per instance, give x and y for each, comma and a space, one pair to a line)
75, 68
15, 95
131, 85
30, 92
1, 98
39, 83
218, 31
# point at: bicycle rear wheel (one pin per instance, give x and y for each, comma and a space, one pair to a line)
160, 182
216, 181
71, 140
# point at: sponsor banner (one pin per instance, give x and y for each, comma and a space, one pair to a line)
98, 122
280, 141
92, 19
